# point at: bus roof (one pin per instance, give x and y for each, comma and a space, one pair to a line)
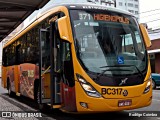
86, 6
70, 6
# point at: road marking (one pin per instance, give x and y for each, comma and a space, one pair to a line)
156, 93
156, 99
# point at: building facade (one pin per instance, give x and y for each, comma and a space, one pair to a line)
129, 5
154, 50
109, 3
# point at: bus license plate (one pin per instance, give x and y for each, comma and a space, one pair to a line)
122, 103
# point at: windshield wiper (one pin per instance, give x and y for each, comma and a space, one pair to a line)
119, 69
126, 66
110, 70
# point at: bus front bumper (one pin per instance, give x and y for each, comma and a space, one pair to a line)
108, 105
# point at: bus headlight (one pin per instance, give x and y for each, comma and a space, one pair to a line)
148, 86
88, 88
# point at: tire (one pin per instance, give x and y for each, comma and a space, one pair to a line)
41, 106
153, 84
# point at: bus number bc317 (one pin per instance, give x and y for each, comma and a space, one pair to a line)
114, 91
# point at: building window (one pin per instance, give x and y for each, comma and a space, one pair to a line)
136, 0
96, 0
130, 4
108, 4
131, 11
136, 6
120, 4
136, 12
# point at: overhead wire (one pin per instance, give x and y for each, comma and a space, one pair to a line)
149, 11
153, 20
151, 15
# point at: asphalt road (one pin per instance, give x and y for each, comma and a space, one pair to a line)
23, 104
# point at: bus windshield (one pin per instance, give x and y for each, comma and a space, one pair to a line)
108, 43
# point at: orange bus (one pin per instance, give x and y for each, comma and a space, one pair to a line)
80, 58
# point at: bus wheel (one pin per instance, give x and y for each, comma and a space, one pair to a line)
153, 84
42, 106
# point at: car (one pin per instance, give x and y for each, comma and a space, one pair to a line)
155, 80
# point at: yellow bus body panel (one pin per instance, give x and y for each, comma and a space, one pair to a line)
16, 78
110, 104
46, 84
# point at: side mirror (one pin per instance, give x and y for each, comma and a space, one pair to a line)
145, 36
63, 28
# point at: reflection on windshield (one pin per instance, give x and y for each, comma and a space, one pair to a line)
103, 41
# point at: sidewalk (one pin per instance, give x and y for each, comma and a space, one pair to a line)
2, 90
18, 110
5, 105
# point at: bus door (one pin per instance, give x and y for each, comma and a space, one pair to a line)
50, 82
45, 66
55, 65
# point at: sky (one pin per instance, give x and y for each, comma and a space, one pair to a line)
149, 5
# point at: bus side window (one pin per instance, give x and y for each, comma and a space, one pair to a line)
46, 50
11, 54
4, 59
18, 54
